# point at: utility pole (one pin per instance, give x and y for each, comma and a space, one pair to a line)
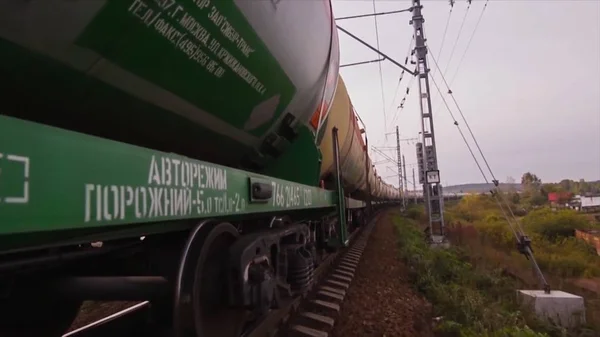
414, 186
404, 174
400, 182
432, 190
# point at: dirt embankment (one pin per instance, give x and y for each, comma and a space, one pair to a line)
381, 301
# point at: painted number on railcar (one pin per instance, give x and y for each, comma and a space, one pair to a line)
290, 195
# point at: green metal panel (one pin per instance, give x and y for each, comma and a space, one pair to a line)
201, 41
301, 162
143, 68
82, 102
53, 179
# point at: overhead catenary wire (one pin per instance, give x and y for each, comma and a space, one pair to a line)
445, 33
393, 161
383, 154
454, 46
380, 71
475, 159
523, 242
469, 43
400, 107
494, 180
457, 38
401, 77
409, 180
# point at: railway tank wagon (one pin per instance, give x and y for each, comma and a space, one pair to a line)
358, 181
170, 75
198, 154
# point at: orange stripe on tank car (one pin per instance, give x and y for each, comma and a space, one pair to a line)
314, 120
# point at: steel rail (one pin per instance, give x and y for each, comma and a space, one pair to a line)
135, 317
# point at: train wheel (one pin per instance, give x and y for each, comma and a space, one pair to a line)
202, 291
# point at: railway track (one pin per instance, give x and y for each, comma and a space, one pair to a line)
121, 323
311, 314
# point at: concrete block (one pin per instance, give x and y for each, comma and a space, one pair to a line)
564, 309
439, 241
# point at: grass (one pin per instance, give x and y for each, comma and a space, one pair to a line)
474, 299
552, 232
472, 302
564, 259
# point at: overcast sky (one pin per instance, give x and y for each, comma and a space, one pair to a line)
529, 85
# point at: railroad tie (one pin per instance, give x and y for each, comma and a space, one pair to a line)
301, 330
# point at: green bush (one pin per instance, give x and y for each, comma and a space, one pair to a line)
554, 224
552, 233
474, 207
566, 257
558, 253
472, 302
415, 212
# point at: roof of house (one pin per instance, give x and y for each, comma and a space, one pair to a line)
590, 201
556, 196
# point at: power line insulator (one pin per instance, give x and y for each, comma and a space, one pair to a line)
522, 245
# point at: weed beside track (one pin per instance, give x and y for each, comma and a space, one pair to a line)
470, 301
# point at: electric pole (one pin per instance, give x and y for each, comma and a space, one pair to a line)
399, 157
404, 174
414, 186
432, 190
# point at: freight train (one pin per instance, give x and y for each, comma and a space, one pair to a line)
204, 155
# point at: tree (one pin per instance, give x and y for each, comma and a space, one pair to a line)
532, 189
530, 179
531, 183
550, 188
537, 200
566, 185
584, 187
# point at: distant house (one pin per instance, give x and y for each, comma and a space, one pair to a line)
587, 204
590, 204
559, 198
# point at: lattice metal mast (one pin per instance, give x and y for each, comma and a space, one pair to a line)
414, 186
399, 157
432, 190
404, 174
